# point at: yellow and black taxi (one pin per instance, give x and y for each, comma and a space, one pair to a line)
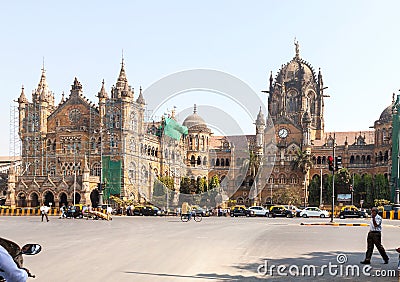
352, 212
241, 210
138, 210
280, 211
146, 210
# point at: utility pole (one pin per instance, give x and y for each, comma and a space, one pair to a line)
333, 178
320, 189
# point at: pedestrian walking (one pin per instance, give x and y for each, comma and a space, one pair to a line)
44, 210
109, 211
63, 209
374, 238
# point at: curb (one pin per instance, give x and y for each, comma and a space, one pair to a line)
336, 224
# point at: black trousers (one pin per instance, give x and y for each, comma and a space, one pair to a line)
374, 238
45, 214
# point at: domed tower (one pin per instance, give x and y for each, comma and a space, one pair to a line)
297, 90
197, 142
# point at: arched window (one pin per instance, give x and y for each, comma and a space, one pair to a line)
217, 162
205, 161
192, 160
222, 162
227, 162
198, 160
96, 169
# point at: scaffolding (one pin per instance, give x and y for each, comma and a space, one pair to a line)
15, 142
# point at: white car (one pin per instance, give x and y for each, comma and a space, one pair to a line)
259, 211
314, 211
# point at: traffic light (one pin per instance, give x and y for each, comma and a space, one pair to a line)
330, 163
338, 163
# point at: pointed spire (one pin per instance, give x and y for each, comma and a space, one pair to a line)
195, 109
122, 75
102, 93
260, 118
140, 99
320, 81
271, 79
42, 92
62, 97
86, 167
22, 97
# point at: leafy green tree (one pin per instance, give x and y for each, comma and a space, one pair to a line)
382, 189
201, 185
367, 183
302, 162
314, 191
214, 182
162, 184
185, 185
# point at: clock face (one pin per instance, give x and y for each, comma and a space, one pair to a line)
283, 133
74, 115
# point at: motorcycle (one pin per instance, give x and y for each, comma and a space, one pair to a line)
16, 253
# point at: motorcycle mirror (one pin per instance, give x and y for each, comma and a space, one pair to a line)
31, 249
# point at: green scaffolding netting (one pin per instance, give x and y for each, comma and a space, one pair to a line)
111, 177
174, 129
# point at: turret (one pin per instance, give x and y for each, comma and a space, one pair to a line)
140, 100
260, 128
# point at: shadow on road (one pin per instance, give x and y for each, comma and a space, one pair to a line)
328, 267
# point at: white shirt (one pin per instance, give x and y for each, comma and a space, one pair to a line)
9, 269
378, 220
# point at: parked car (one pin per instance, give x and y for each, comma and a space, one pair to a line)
279, 211
198, 210
241, 211
74, 211
259, 211
138, 210
352, 212
151, 210
314, 211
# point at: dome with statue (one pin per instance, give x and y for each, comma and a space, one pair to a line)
386, 115
296, 70
195, 121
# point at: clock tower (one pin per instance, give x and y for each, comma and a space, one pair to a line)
296, 109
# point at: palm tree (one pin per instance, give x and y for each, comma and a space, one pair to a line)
303, 162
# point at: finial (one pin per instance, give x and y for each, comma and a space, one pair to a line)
122, 63
43, 65
195, 109
140, 89
393, 98
296, 43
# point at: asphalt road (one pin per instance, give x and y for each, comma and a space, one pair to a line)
216, 249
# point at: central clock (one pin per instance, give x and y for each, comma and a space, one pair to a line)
283, 133
74, 115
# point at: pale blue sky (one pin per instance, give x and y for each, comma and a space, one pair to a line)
355, 43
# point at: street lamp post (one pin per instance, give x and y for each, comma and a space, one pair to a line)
101, 168
333, 179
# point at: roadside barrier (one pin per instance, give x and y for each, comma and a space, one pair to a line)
34, 211
391, 214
